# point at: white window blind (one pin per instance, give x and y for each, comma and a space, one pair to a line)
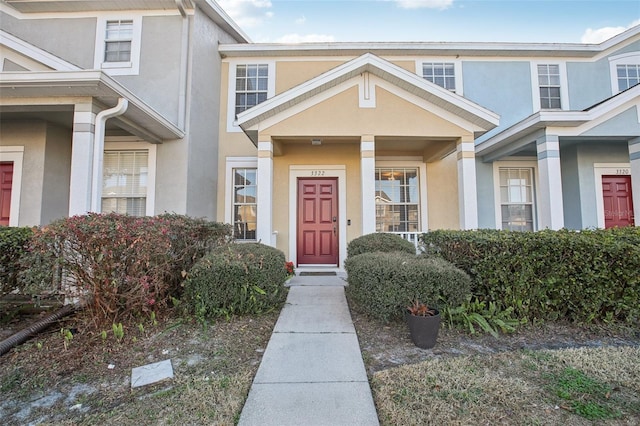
125, 176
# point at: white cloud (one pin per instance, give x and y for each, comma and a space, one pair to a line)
601, 34
301, 20
428, 4
308, 38
247, 13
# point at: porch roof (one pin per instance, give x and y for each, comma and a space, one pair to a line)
471, 112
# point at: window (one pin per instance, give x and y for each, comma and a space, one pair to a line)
125, 181
118, 37
252, 82
628, 76
516, 198
549, 85
442, 74
245, 205
397, 200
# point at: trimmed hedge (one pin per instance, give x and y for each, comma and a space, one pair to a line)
382, 285
578, 276
379, 241
13, 245
236, 279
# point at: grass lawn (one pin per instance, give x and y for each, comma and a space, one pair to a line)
525, 387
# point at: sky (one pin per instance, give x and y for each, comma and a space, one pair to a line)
557, 21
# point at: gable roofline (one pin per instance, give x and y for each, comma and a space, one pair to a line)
544, 119
217, 14
140, 118
503, 49
449, 101
35, 53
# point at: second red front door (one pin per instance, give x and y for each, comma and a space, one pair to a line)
618, 201
317, 240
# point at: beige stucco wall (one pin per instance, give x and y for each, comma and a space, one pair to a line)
32, 136
442, 193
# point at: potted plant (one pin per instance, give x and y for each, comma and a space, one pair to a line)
424, 324
290, 271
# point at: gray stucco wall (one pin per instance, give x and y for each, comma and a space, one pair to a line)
486, 196
571, 187
588, 83
502, 87
171, 177
56, 174
624, 124
72, 39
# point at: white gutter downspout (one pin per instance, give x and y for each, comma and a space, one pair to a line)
184, 65
98, 151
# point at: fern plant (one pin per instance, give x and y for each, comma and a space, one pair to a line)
477, 315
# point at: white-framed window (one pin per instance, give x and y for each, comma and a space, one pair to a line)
397, 199
249, 85
117, 50
515, 188
549, 86
443, 72
625, 71
241, 193
128, 178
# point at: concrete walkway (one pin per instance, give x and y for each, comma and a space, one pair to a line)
312, 371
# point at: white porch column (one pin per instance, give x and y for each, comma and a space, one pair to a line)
265, 190
81, 159
368, 178
467, 192
634, 159
550, 204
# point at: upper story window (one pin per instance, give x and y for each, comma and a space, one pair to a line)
628, 76
117, 49
252, 85
118, 37
549, 85
440, 73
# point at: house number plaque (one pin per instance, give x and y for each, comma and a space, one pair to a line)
623, 172
317, 172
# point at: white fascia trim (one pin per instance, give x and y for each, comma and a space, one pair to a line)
35, 53
457, 69
599, 170
631, 58
232, 126
234, 163
118, 68
239, 35
376, 66
113, 145
564, 85
525, 162
14, 154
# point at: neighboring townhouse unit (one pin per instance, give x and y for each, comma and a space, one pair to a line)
109, 106
152, 106
322, 143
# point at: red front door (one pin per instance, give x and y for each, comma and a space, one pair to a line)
6, 181
317, 221
618, 202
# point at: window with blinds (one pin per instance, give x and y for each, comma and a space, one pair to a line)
118, 37
125, 175
516, 198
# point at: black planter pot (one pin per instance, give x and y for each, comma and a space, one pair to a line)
423, 330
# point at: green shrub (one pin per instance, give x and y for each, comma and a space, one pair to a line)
236, 279
13, 245
382, 285
577, 276
379, 241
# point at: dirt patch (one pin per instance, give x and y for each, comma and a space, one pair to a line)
389, 345
86, 378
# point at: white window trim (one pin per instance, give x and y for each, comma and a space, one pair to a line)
527, 163
118, 68
14, 154
113, 145
232, 127
632, 58
235, 163
457, 70
564, 86
422, 185
599, 170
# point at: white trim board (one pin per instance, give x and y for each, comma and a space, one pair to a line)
15, 155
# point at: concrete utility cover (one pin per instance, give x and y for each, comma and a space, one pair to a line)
151, 373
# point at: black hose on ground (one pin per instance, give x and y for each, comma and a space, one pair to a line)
35, 328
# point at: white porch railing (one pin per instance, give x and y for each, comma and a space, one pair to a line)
412, 237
